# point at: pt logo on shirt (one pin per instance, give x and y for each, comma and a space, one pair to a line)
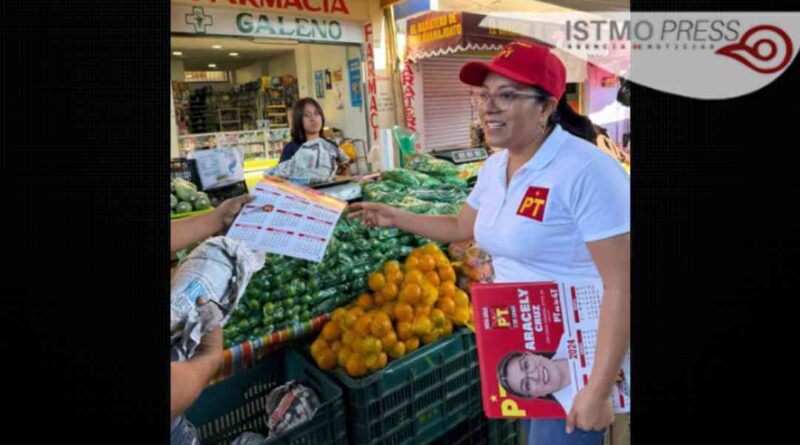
533, 203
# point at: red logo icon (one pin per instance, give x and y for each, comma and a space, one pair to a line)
500, 317
766, 49
533, 203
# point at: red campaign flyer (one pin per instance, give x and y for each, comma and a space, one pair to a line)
536, 344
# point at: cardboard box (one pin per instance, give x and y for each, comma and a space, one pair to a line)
621, 430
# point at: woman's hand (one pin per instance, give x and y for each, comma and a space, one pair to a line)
373, 214
591, 410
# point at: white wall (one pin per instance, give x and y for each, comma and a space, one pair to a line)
176, 70
274, 66
311, 58
251, 72
282, 65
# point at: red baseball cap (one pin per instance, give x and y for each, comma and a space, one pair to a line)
524, 62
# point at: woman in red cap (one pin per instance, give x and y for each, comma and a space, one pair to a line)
550, 206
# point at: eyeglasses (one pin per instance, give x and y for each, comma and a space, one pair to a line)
502, 100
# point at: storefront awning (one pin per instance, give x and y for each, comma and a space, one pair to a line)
441, 33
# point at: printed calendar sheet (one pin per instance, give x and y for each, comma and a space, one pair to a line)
287, 219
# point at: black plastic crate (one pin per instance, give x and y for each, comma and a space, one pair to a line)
220, 194
185, 169
237, 404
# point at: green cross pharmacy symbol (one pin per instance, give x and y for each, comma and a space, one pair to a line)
199, 20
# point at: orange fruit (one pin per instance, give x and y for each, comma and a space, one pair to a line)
414, 276
448, 328
381, 325
395, 277
416, 253
358, 311
370, 360
447, 305
411, 293
403, 312
461, 316
447, 273
356, 366
337, 314
388, 309
383, 359
427, 263
431, 248
404, 330
391, 266
430, 294
389, 340
372, 345
433, 278
318, 346
376, 281
422, 309
379, 299
422, 325
348, 320
363, 325
432, 337
357, 345
412, 262
326, 359
348, 337
438, 318
441, 259
461, 298
365, 302
398, 350
447, 289
342, 356
389, 291
412, 344
336, 345
331, 332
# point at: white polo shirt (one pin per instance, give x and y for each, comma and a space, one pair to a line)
569, 193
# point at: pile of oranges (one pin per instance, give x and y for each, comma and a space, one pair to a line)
410, 305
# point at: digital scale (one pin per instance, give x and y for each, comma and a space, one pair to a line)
462, 155
340, 188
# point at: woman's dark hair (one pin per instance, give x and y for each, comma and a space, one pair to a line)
576, 124
298, 132
502, 374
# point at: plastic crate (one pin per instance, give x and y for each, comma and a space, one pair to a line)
479, 430
217, 195
417, 398
185, 169
237, 404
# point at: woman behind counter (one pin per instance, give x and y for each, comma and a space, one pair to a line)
308, 120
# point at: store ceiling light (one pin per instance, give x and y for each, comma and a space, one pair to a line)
212, 65
268, 41
216, 46
177, 53
234, 54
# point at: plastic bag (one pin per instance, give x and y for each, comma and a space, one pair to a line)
405, 140
217, 270
475, 265
290, 405
315, 161
249, 438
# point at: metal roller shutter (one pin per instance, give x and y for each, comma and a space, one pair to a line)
446, 103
